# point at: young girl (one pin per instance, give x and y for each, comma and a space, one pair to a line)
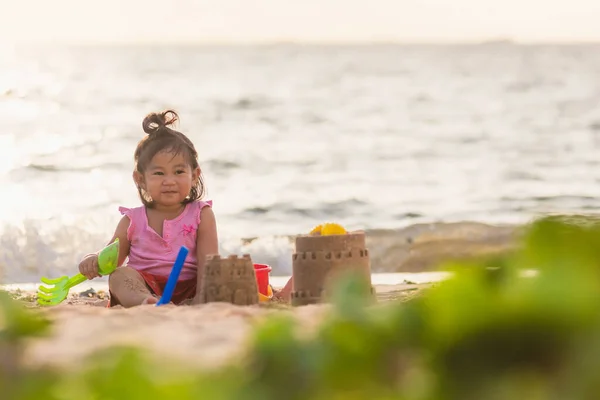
170, 186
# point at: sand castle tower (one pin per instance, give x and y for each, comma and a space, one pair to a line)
318, 260
230, 280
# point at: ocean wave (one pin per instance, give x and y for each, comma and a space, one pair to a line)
71, 168
317, 210
220, 165
27, 252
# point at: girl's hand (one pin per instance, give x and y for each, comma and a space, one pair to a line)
88, 267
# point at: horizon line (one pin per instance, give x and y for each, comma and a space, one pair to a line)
316, 43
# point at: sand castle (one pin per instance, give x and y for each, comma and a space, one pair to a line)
319, 260
230, 280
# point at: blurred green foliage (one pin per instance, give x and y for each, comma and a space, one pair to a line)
489, 332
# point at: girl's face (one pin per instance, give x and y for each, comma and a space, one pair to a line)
168, 179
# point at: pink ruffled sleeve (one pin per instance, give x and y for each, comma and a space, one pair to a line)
200, 206
129, 212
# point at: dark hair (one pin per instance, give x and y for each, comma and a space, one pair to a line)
162, 138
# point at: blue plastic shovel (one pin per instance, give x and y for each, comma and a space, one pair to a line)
173, 277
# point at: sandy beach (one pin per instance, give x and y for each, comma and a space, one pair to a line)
206, 336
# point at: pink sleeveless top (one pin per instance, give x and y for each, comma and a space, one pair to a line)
149, 252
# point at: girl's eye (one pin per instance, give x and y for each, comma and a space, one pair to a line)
157, 173
181, 171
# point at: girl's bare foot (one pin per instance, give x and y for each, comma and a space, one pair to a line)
150, 300
285, 293
281, 296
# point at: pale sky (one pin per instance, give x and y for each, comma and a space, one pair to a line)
114, 21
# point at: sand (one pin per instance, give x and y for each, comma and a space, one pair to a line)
205, 336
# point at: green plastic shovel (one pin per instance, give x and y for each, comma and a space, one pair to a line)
56, 294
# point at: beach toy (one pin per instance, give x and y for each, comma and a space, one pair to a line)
173, 277
332, 229
265, 292
108, 258
327, 229
262, 298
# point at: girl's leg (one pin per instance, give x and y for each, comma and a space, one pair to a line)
129, 289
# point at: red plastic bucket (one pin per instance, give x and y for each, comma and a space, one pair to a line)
262, 277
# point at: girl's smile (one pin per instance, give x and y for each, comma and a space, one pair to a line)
168, 179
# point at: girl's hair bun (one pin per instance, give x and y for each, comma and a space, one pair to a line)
157, 122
